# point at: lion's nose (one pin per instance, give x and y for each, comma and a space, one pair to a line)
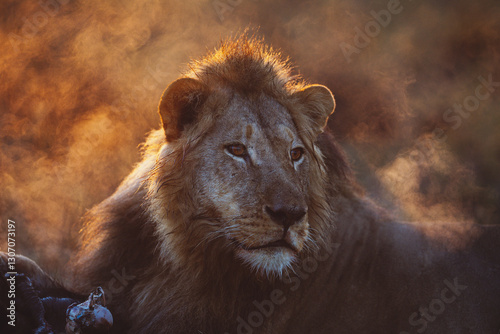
286, 215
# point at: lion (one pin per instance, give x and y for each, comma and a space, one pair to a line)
244, 217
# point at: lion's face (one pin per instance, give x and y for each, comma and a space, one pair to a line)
253, 180
240, 174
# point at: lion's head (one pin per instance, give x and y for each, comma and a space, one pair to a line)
238, 173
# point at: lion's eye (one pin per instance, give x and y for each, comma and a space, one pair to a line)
238, 150
296, 153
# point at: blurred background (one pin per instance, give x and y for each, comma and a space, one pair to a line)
417, 85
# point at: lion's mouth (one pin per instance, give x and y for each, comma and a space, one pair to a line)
277, 243
281, 243
270, 258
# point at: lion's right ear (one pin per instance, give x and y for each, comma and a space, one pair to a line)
178, 105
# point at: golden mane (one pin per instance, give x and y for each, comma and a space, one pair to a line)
247, 65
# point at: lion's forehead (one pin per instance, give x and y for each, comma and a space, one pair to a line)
261, 122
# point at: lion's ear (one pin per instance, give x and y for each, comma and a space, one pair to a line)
317, 105
178, 105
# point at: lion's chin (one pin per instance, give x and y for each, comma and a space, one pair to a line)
270, 262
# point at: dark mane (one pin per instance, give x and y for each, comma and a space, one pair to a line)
337, 164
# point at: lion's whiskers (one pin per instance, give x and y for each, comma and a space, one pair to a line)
220, 231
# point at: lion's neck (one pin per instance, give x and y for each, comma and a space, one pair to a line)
203, 294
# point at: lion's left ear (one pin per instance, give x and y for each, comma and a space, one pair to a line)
179, 104
317, 105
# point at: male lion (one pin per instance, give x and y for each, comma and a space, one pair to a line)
243, 218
